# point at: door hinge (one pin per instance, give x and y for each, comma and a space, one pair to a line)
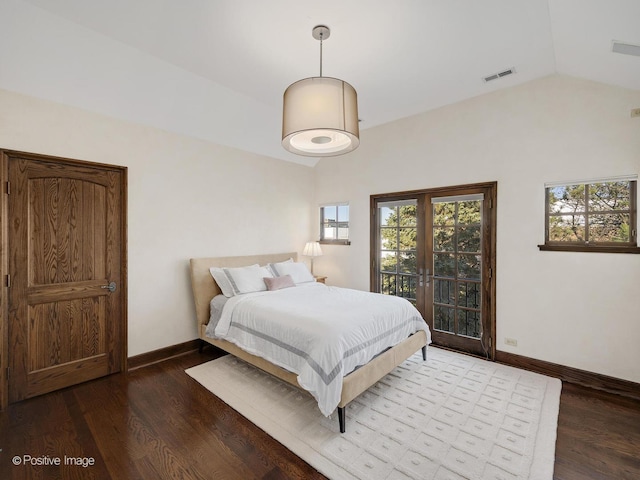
8, 188
8, 281
490, 272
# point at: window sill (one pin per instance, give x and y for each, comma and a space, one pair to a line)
592, 248
334, 242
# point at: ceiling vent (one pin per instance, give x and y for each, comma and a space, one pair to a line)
625, 48
496, 76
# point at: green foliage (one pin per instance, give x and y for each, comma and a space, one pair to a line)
458, 231
456, 259
606, 205
398, 234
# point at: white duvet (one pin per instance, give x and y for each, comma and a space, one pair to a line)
320, 333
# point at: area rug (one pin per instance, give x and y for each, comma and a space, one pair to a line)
452, 417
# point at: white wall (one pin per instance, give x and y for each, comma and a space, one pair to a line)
193, 198
187, 198
576, 309
48, 57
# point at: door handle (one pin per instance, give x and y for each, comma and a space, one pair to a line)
421, 277
111, 287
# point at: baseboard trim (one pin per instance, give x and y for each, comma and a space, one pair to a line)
597, 381
162, 354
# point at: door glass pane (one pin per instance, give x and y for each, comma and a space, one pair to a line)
407, 262
444, 291
469, 323
457, 267
444, 213
444, 265
468, 213
469, 266
469, 238
407, 286
388, 261
388, 283
388, 217
407, 238
443, 318
443, 239
469, 295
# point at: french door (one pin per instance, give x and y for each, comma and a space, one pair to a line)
436, 248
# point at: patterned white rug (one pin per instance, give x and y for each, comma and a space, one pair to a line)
452, 417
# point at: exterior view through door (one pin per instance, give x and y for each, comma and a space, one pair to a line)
437, 249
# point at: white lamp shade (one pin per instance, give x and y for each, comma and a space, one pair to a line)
320, 117
312, 249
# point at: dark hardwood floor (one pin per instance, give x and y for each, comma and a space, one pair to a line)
156, 422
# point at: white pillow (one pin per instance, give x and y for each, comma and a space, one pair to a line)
236, 281
298, 271
272, 266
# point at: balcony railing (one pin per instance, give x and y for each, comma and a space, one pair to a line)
403, 285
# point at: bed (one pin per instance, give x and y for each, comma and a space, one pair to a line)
351, 385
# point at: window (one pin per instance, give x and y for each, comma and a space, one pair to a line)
334, 224
596, 215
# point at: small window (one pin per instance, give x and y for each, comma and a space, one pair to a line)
334, 223
597, 215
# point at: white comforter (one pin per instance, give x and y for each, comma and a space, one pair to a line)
320, 333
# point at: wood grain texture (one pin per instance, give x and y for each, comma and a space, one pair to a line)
162, 354
424, 293
4, 268
67, 227
580, 377
598, 435
157, 422
67, 222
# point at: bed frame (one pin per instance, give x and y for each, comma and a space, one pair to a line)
205, 288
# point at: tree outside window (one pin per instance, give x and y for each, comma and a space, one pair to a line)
591, 216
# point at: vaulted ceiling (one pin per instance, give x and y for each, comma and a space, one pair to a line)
217, 69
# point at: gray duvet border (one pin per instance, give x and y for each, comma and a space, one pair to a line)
327, 378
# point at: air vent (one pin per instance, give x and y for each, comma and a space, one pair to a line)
625, 48
496, 76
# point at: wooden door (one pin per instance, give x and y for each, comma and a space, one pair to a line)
436, 248
66, 246
458, 270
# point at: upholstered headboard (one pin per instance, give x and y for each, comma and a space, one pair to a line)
205, 288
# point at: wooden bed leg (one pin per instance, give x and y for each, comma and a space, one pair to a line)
341, 418
424, 353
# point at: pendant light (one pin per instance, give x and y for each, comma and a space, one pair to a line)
320, 114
